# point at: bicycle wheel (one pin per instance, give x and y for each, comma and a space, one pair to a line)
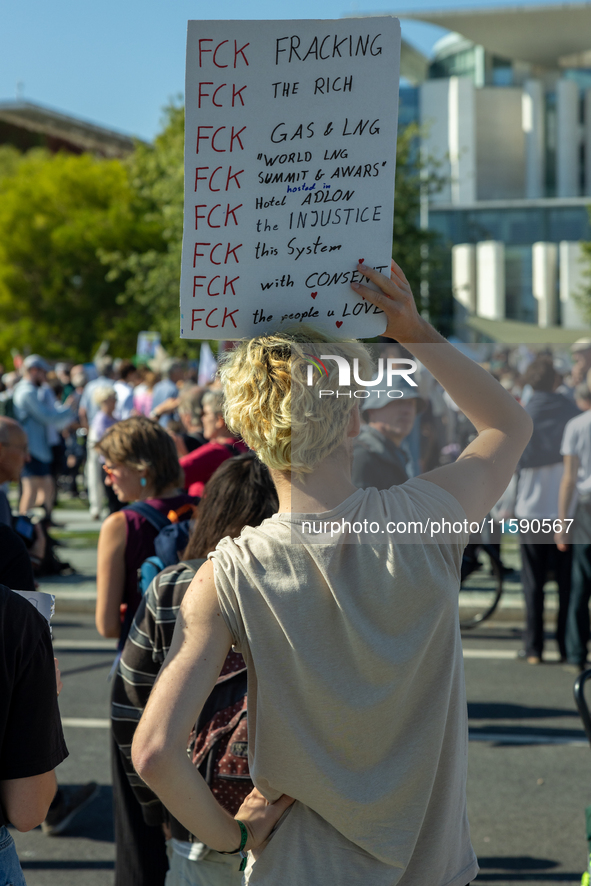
481, 587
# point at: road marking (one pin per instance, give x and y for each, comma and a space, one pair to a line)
85, 722
519, 738
505, 654
490, 653
495, 737
72, 645
107, 646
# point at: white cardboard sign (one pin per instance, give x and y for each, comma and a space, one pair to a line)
290, 150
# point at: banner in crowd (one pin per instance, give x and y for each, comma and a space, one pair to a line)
290, 150
147, 344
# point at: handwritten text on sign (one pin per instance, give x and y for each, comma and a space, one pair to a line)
290, 153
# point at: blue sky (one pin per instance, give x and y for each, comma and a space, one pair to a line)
118, 62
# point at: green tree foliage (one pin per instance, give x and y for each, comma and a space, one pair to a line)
152, 277
418, 250
58, 213
91, 249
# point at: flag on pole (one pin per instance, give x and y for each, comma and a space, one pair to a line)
207, 364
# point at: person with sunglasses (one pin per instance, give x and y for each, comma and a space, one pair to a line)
141, 464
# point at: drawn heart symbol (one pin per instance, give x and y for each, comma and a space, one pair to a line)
360, 261
314, 294
339, 324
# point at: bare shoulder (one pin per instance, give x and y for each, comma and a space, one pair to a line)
200, 622
201, 598
114, 529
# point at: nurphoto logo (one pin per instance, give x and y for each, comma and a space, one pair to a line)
388, 369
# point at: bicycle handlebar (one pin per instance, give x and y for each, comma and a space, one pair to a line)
581, 703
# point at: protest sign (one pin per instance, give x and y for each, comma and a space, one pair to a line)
43, 602
147, 344
290, 150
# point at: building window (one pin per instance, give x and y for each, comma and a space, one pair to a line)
460, 64
408, 106
568, 223
501, 71
550, 143
520, 303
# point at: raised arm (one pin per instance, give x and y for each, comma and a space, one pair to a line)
482, 472
57, 416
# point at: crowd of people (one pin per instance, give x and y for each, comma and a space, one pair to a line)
201, 485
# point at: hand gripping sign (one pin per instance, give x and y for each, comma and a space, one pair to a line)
290, 150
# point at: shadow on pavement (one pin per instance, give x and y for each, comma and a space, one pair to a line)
506, 711
524, 735
93, 822
64, 865
522, 869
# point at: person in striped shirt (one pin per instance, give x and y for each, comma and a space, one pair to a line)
240, 493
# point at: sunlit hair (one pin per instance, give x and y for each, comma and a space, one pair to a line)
215, 400
103, 393
141, 443
270, 405
191, 402
240, 493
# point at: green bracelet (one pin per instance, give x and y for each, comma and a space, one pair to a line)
240, 850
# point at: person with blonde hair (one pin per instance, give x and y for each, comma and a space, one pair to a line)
104, 398
357, 710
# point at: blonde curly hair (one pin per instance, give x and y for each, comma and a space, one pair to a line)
271, 404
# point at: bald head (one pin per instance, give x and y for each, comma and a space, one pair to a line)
9, 428
13, 449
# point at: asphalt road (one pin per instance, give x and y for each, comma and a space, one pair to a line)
529, 765
529, 762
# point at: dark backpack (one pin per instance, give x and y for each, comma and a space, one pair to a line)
219, 742
172, 539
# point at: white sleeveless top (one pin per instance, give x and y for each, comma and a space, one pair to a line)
356, 697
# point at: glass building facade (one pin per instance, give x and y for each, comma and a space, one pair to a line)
511, 225
514, 221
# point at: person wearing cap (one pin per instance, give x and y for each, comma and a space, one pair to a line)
378, 457
37, 415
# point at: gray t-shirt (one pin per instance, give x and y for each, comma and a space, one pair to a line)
356, 697
577, 441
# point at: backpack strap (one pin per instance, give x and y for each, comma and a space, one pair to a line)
149, 513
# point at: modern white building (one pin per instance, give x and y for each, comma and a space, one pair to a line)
506, 108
